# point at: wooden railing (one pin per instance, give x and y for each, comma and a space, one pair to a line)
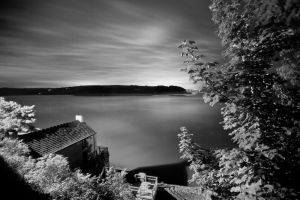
147, 188
101, 160
102, 152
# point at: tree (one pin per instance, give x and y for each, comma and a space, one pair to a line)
16, 154
116, 184
15, 118
258, 86
52, 175
11, 179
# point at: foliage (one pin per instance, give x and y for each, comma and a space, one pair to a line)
11, 179
258, 86
116, 185
16, 154
51, 175
15, 118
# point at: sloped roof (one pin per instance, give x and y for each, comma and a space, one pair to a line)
56, 138
185, 192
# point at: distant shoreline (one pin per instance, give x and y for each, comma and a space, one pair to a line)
104, 95
97, 90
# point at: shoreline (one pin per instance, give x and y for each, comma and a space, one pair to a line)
101, 95
174, 173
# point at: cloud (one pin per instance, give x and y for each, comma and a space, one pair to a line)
61, 42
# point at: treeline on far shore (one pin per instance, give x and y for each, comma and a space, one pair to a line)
95, 90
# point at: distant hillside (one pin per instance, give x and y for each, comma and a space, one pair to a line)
95, 90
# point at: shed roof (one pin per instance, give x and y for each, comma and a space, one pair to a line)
56, 138
185, 192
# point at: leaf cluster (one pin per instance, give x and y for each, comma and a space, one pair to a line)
258, 87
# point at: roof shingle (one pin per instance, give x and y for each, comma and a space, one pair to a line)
185, 192
56, 138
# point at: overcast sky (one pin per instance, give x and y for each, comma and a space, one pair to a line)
52, 43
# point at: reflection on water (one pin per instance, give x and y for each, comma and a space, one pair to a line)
139, 130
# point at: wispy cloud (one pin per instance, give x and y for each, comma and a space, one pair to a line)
60, 42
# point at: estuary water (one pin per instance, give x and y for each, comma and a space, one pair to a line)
138, 130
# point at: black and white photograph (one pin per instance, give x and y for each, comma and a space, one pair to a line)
150, 99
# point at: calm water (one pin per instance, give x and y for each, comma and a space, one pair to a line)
139, 130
